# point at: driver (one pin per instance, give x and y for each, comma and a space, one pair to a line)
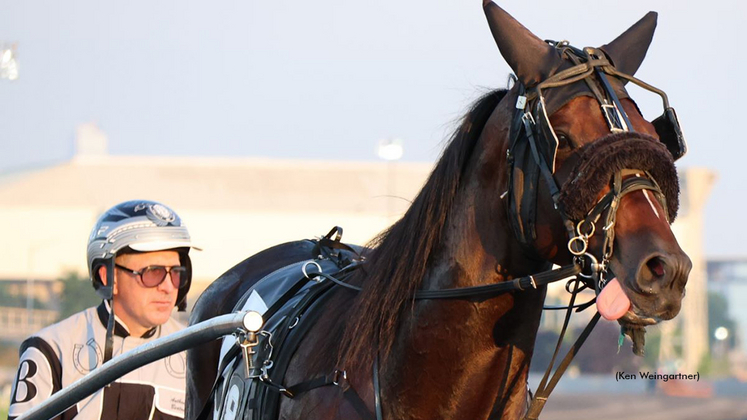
138, 261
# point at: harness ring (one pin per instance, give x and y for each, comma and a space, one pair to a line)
591, 231
584, 245
305, 274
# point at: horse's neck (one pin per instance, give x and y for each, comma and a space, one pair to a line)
469, 358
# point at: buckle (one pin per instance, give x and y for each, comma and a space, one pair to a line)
527, 118
614, 118
336, 376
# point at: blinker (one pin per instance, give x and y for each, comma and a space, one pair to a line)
670, 133
547, 140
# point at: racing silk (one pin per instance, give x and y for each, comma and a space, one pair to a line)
62, 353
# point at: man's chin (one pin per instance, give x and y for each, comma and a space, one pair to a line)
161, 314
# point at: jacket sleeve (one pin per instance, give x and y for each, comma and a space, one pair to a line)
39, 375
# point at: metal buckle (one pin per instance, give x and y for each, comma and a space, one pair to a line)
528, 118
614, 118
336, 376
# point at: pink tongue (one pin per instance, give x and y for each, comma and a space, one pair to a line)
612, 302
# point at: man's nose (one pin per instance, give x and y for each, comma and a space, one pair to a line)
167, 285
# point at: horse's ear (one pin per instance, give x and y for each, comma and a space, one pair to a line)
628, 50
532, 59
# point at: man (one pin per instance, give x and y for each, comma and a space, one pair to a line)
138, 260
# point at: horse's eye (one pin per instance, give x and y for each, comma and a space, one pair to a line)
564, 142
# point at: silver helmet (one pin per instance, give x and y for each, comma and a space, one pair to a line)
141, 226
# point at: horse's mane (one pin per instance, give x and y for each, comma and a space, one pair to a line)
400, 255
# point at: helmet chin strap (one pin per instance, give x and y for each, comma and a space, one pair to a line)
109, 345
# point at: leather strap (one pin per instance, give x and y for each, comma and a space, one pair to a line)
543, 392
487, 291
377, 389
358, 404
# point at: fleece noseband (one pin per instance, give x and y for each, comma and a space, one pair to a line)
600, 160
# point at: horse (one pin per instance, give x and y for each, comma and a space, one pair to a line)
559, 168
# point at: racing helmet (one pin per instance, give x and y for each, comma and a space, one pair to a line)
139, 226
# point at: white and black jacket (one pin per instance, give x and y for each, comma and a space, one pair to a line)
62, 353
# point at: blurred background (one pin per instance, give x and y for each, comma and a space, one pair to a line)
266, 122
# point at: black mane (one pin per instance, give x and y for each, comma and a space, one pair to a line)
400, 255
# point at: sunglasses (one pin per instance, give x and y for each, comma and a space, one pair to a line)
153, 275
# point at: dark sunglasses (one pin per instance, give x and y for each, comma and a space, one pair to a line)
153, 275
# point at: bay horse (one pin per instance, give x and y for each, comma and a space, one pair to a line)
561, 168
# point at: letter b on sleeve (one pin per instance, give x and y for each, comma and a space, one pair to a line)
33, 382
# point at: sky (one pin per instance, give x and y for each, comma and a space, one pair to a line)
330, 79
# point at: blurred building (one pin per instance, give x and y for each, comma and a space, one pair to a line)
695, 187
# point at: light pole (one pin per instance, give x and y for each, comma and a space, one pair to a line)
720, 347
391, 151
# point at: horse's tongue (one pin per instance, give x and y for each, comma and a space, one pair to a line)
612, 302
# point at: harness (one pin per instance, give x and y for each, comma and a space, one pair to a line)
252, 389
250, 381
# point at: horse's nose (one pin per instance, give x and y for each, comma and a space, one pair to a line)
663, 273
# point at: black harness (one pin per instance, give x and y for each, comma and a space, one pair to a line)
251, 386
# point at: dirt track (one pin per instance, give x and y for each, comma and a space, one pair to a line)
642, 407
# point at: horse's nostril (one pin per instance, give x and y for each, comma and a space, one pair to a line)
656, 265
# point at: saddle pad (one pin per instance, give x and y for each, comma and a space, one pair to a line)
289, 300
266, 292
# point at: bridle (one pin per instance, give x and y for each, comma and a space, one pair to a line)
531, 128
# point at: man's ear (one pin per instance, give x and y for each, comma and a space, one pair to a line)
102, 276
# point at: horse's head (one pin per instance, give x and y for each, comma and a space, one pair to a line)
588, 170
